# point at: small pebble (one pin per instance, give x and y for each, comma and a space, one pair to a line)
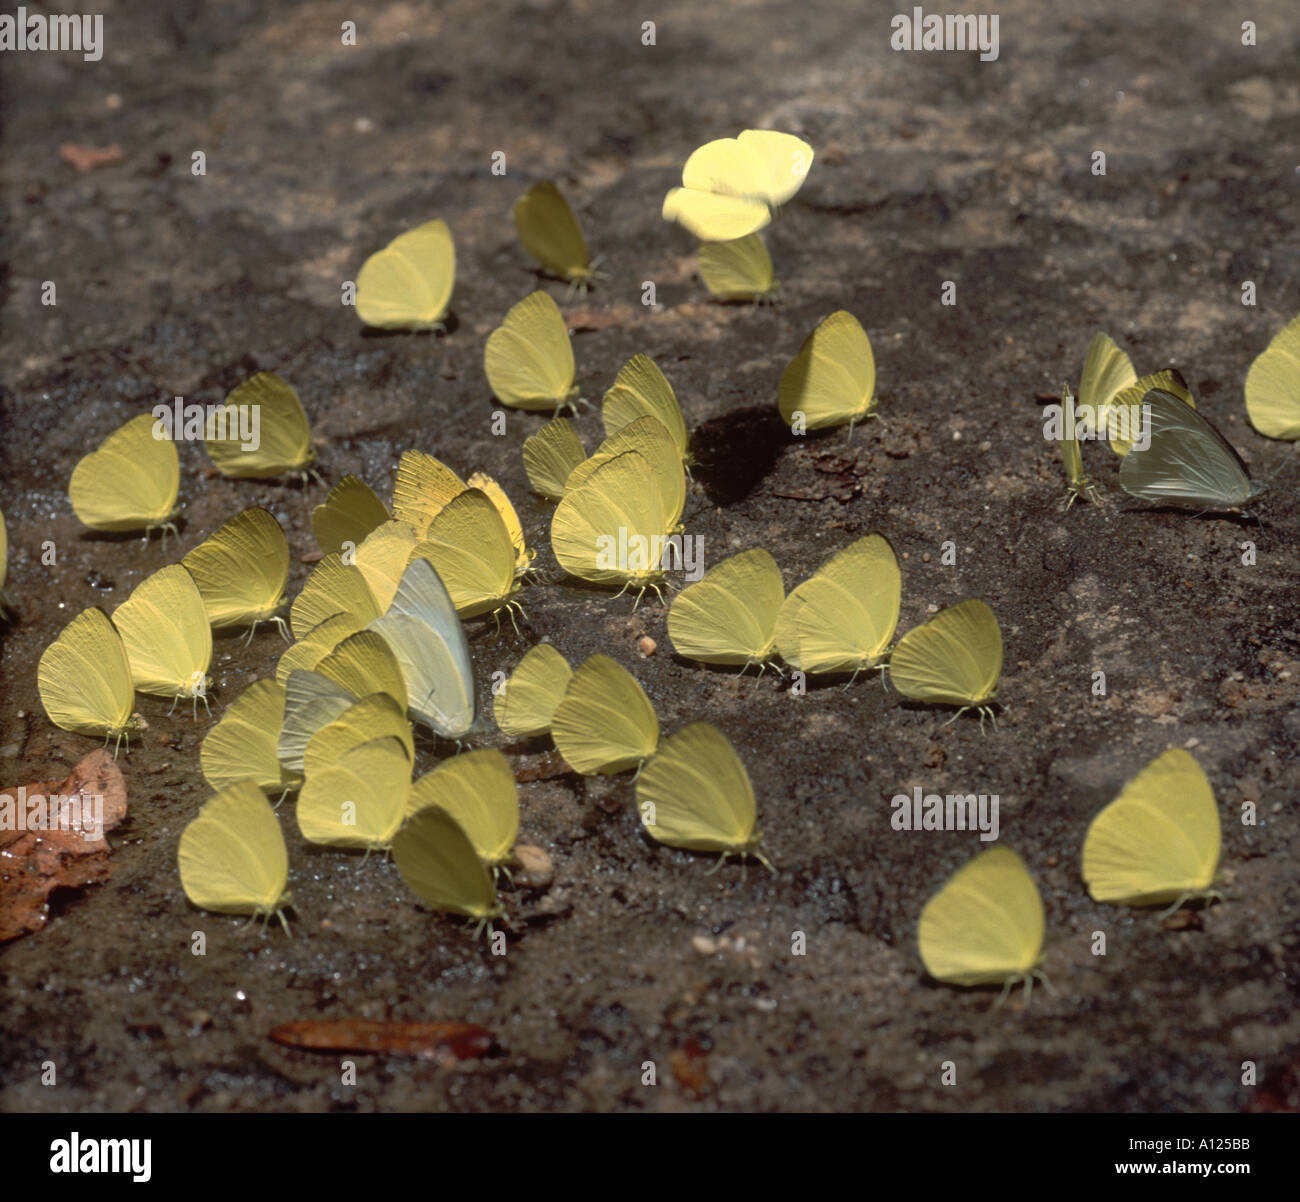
535, 869
646, 645
703, 944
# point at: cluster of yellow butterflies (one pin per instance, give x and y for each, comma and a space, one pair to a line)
132, 479
1156, 843
692, 792
840, 620
378, 637
1169, 452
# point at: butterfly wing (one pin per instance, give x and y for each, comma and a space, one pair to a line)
360, 799
348, 514
1159, 839
832, 379
164, 628
1273, 385
985, 926
377, 716
641, 390
954, 659
529, 357
84, 677
130, 482
696, 794
550, 232
740, 270
423, 487
408, 284
1187, 462
550, 456
471, 549
439, 864
332, 588
242, 746
232, 856
478, 790
526, 704
241, 570
604, 723
283, 434
729, 616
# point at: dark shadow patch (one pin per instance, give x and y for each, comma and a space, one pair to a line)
735, 451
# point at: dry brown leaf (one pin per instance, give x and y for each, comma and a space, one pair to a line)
87, 158
36, 862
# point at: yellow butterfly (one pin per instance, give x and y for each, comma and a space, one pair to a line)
604, 723
241, 571
730, 186
316, 644
1107, 371
641, 390
695, 793
242, 746
550, 456
130, 482
985, 926
1158, 841
280, 442
730, 615
842, 618
84, 680
363, 663
529, 357
382, 557
1273, 385
527, 701
550, 233
612, 529
422, 489
1125, 418
408, 284
332, 588
954, 659
347, 515
478, 790
359, 800
439, 863
739, 270
232, 856
164, 628
524, 554
471, 550
650, 438
1078, 482
377, 716
832, 380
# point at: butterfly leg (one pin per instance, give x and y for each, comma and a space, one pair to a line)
957, 715
1182, 897
284, 922
1006, 990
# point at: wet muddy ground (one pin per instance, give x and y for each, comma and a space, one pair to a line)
931, 167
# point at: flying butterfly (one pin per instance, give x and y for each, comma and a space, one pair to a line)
164, 628
954, 659
730, 186
281, 442
695, 794
985, 926
408, 284
1273, 385
1187, 462
84, 679
550, 233
241, 571
1158, 841
232, 856
478, 790
739, 270
843, 617
130, 481
729, 616
527, 701
604, 723
529, 357
832, 380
